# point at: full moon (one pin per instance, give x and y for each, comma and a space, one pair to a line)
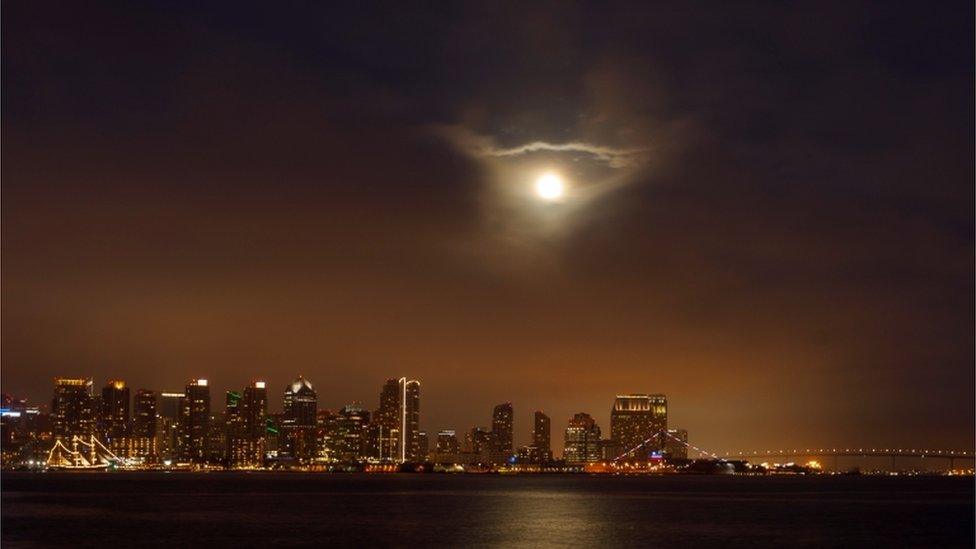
549, 187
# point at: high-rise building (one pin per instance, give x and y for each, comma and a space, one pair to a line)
412, 448
143, 439
637, 423
447, 447
247, 427
327, 435
399, 420
232, 423
194, 426
274, 439
169, 412
478, 442
300, 404
170, 404
299, 421
371, 440
541, 438
502, 433
423, 446
582, 440
113, 418
387, 419
349, 438
71, 409
217, 444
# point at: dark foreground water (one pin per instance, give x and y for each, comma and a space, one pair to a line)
224, 509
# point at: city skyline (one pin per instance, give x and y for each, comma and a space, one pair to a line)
109, 417
770, 226
90, 431
625, 430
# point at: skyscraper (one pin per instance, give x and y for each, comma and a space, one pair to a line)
114, 416
216, 444
634, 420
541, 438
232, 424
349, 444
423, 446
478, 443
169, 405
502, 433
410, 443
399, 420
300, 404
144, 426
582, 440
168, 414
387, 419
299, 421
194, 427
249, 446
327, 435
71, 409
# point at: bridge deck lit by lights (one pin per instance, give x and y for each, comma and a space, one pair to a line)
891, 453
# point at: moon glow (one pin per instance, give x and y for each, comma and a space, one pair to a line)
549, 187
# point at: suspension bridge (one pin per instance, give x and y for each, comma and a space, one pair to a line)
892, 453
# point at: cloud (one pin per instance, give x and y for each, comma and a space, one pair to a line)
484, 146
615, 158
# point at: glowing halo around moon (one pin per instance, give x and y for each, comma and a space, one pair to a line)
550, 187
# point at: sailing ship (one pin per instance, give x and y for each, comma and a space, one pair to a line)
84, 455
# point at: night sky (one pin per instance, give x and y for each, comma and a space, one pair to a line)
769, 213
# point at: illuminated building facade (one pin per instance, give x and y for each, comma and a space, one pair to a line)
398, 418
168, 414
541, 437
113, 418
447, 447
502, 433
350, 434
273, 435
299, 421
423, 446
582, 440
217, 442
387, 419
634, 419
249, 443
327, 435
72, 412
232, 424
371, 440
143, 434
171, 404
529, 455
194, 424
300, 404
412, 448
478, 443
